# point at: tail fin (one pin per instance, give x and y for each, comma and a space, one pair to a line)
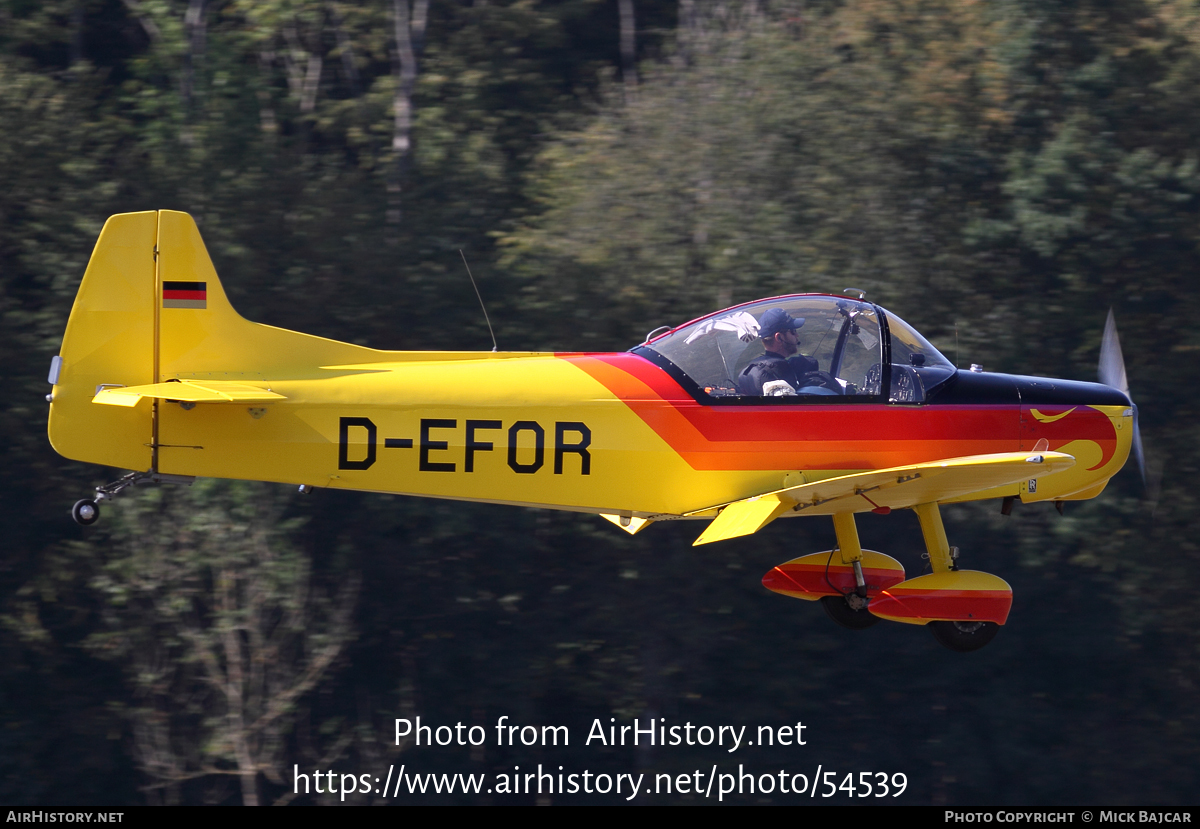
110, 340
199, 332
151, 309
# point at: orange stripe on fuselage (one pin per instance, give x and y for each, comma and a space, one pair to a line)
812, 437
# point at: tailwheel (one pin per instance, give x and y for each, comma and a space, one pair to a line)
86, 512
964, 637
846, 614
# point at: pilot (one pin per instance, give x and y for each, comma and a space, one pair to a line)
781, 359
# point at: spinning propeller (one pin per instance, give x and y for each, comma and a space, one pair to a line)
1112, 373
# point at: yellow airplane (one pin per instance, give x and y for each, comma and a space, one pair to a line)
808, 404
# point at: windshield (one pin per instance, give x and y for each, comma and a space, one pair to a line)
916, 365
818, 347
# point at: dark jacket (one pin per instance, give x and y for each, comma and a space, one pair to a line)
771, 366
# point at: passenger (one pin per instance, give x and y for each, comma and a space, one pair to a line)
781, 359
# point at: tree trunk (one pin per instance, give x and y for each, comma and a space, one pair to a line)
76, 33
195, 30
410, 37
628, 46
346, 49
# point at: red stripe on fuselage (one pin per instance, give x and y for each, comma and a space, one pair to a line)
814, 436
184, 294
1083, 423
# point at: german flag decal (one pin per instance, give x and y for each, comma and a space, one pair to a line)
185, 295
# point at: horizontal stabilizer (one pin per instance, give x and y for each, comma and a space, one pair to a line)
900, 487
190, 391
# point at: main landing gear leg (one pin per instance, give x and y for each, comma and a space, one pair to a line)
957, 636
850, 610
87, 511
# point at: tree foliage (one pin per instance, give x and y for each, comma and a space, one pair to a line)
216, 618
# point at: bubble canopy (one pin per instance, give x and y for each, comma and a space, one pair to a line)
845, 350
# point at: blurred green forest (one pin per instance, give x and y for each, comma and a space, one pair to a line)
999, 174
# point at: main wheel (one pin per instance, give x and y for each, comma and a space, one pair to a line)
846, 616
86, 512
964, 637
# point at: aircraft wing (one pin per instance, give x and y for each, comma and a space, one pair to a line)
191, 391
896, 488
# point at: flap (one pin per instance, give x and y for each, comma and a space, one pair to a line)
899, 487
745, 517
192, 391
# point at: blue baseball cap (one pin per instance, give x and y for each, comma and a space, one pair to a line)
777, 321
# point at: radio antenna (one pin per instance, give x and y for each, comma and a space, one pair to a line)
480, 298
